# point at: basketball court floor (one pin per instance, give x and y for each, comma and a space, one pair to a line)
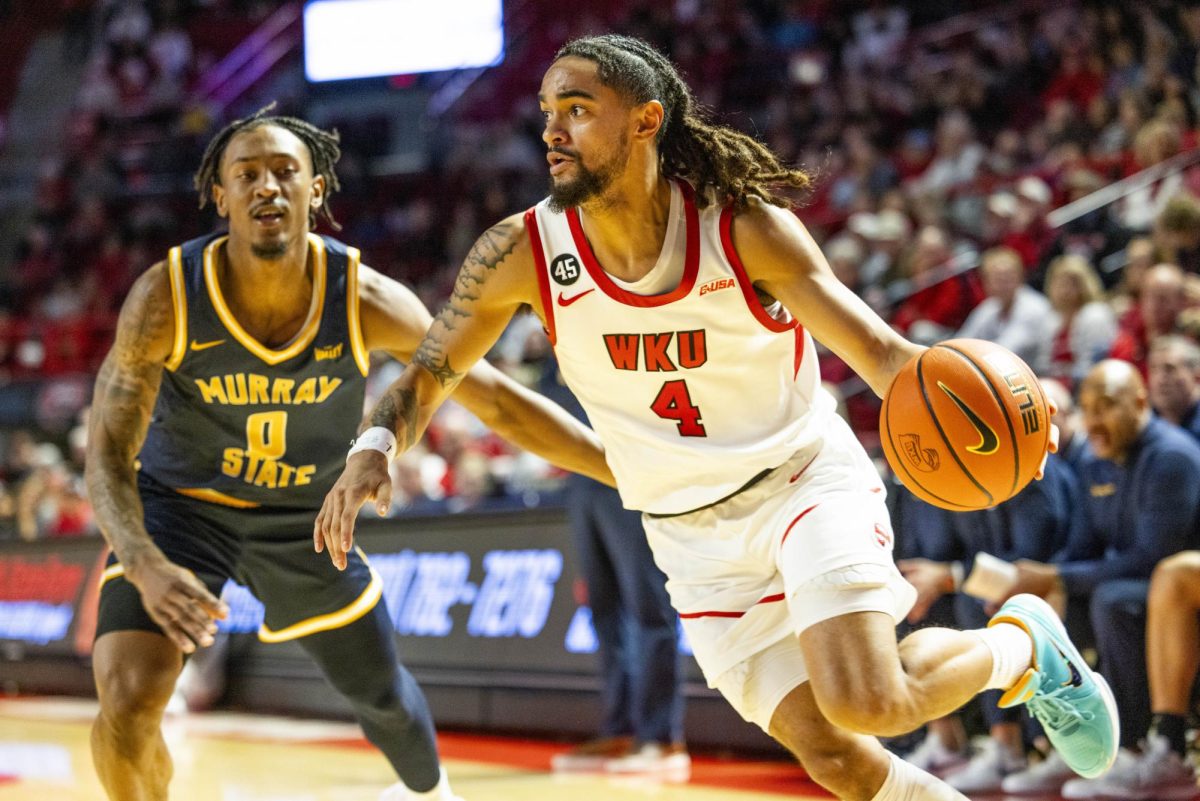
232, 757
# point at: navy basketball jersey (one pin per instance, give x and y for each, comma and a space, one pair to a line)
245, 425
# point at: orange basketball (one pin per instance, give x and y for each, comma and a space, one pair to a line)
965, 424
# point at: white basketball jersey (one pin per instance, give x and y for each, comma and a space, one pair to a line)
694, 391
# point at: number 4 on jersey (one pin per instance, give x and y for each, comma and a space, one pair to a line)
674, 403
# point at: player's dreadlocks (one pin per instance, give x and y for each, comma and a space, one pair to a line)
715, 158
322, 148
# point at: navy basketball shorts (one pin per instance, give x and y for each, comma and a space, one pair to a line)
270, 551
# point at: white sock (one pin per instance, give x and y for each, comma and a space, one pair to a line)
907, 782
440, 792
1012, 653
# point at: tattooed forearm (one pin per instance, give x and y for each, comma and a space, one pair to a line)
442, 370
397, 412
408, 411
385, 413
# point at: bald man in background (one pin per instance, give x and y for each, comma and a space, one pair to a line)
1140, 479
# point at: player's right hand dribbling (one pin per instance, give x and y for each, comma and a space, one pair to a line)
178, 602
366, 477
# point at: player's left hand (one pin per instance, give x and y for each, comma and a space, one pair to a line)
366, 477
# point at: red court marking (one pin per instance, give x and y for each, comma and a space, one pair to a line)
763, 776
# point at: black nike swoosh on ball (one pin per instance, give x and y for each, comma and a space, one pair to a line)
988, 441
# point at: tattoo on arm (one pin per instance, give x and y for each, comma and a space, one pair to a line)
126, 389
398, 406
492, 248
443, 372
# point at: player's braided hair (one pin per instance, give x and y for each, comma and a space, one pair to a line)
712, 158
322, 148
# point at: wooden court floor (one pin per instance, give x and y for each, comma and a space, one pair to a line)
44, 756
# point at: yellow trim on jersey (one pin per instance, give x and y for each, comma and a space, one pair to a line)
333, 620
179, 301
358, 345
309, 330
215, 496
112, 572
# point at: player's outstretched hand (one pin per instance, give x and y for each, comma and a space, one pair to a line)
178, 602
365, 478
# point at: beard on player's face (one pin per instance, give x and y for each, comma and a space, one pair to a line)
269, 250
588, 183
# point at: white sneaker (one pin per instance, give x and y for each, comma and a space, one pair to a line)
1158, 774
592, 756
400, 792
933, 756
1047, 776
986, 770
669, 763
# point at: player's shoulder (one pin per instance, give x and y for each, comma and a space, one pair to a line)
147, 320
757, 214
152, 286
378, 292
764, 234
506, 245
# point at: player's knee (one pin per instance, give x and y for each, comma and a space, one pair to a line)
820, 751
1175, 576
875, 711
133, 699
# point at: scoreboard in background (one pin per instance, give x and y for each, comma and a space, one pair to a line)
346, 39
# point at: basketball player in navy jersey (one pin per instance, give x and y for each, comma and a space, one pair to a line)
679, 290
236, 378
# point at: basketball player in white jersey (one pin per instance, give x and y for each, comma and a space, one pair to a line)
679, 293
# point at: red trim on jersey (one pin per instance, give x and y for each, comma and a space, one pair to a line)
797, 520
799, 357
739, 270
756, 308
543, 273
691, 264
769, 599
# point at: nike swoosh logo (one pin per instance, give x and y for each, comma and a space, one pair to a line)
988, 441
568, 301
1076, 680
206, 345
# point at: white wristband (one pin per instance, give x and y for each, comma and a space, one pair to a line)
375, 438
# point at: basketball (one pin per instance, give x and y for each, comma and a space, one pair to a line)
965, 425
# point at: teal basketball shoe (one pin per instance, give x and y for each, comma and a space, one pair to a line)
1073, 703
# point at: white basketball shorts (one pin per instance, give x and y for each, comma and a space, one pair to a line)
809, 542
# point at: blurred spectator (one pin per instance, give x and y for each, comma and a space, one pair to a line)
1161, 301
1012, 314
1072, 438
1174, 381
1084, 325
886, 234
1140, 255
1177, 233
937, 306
